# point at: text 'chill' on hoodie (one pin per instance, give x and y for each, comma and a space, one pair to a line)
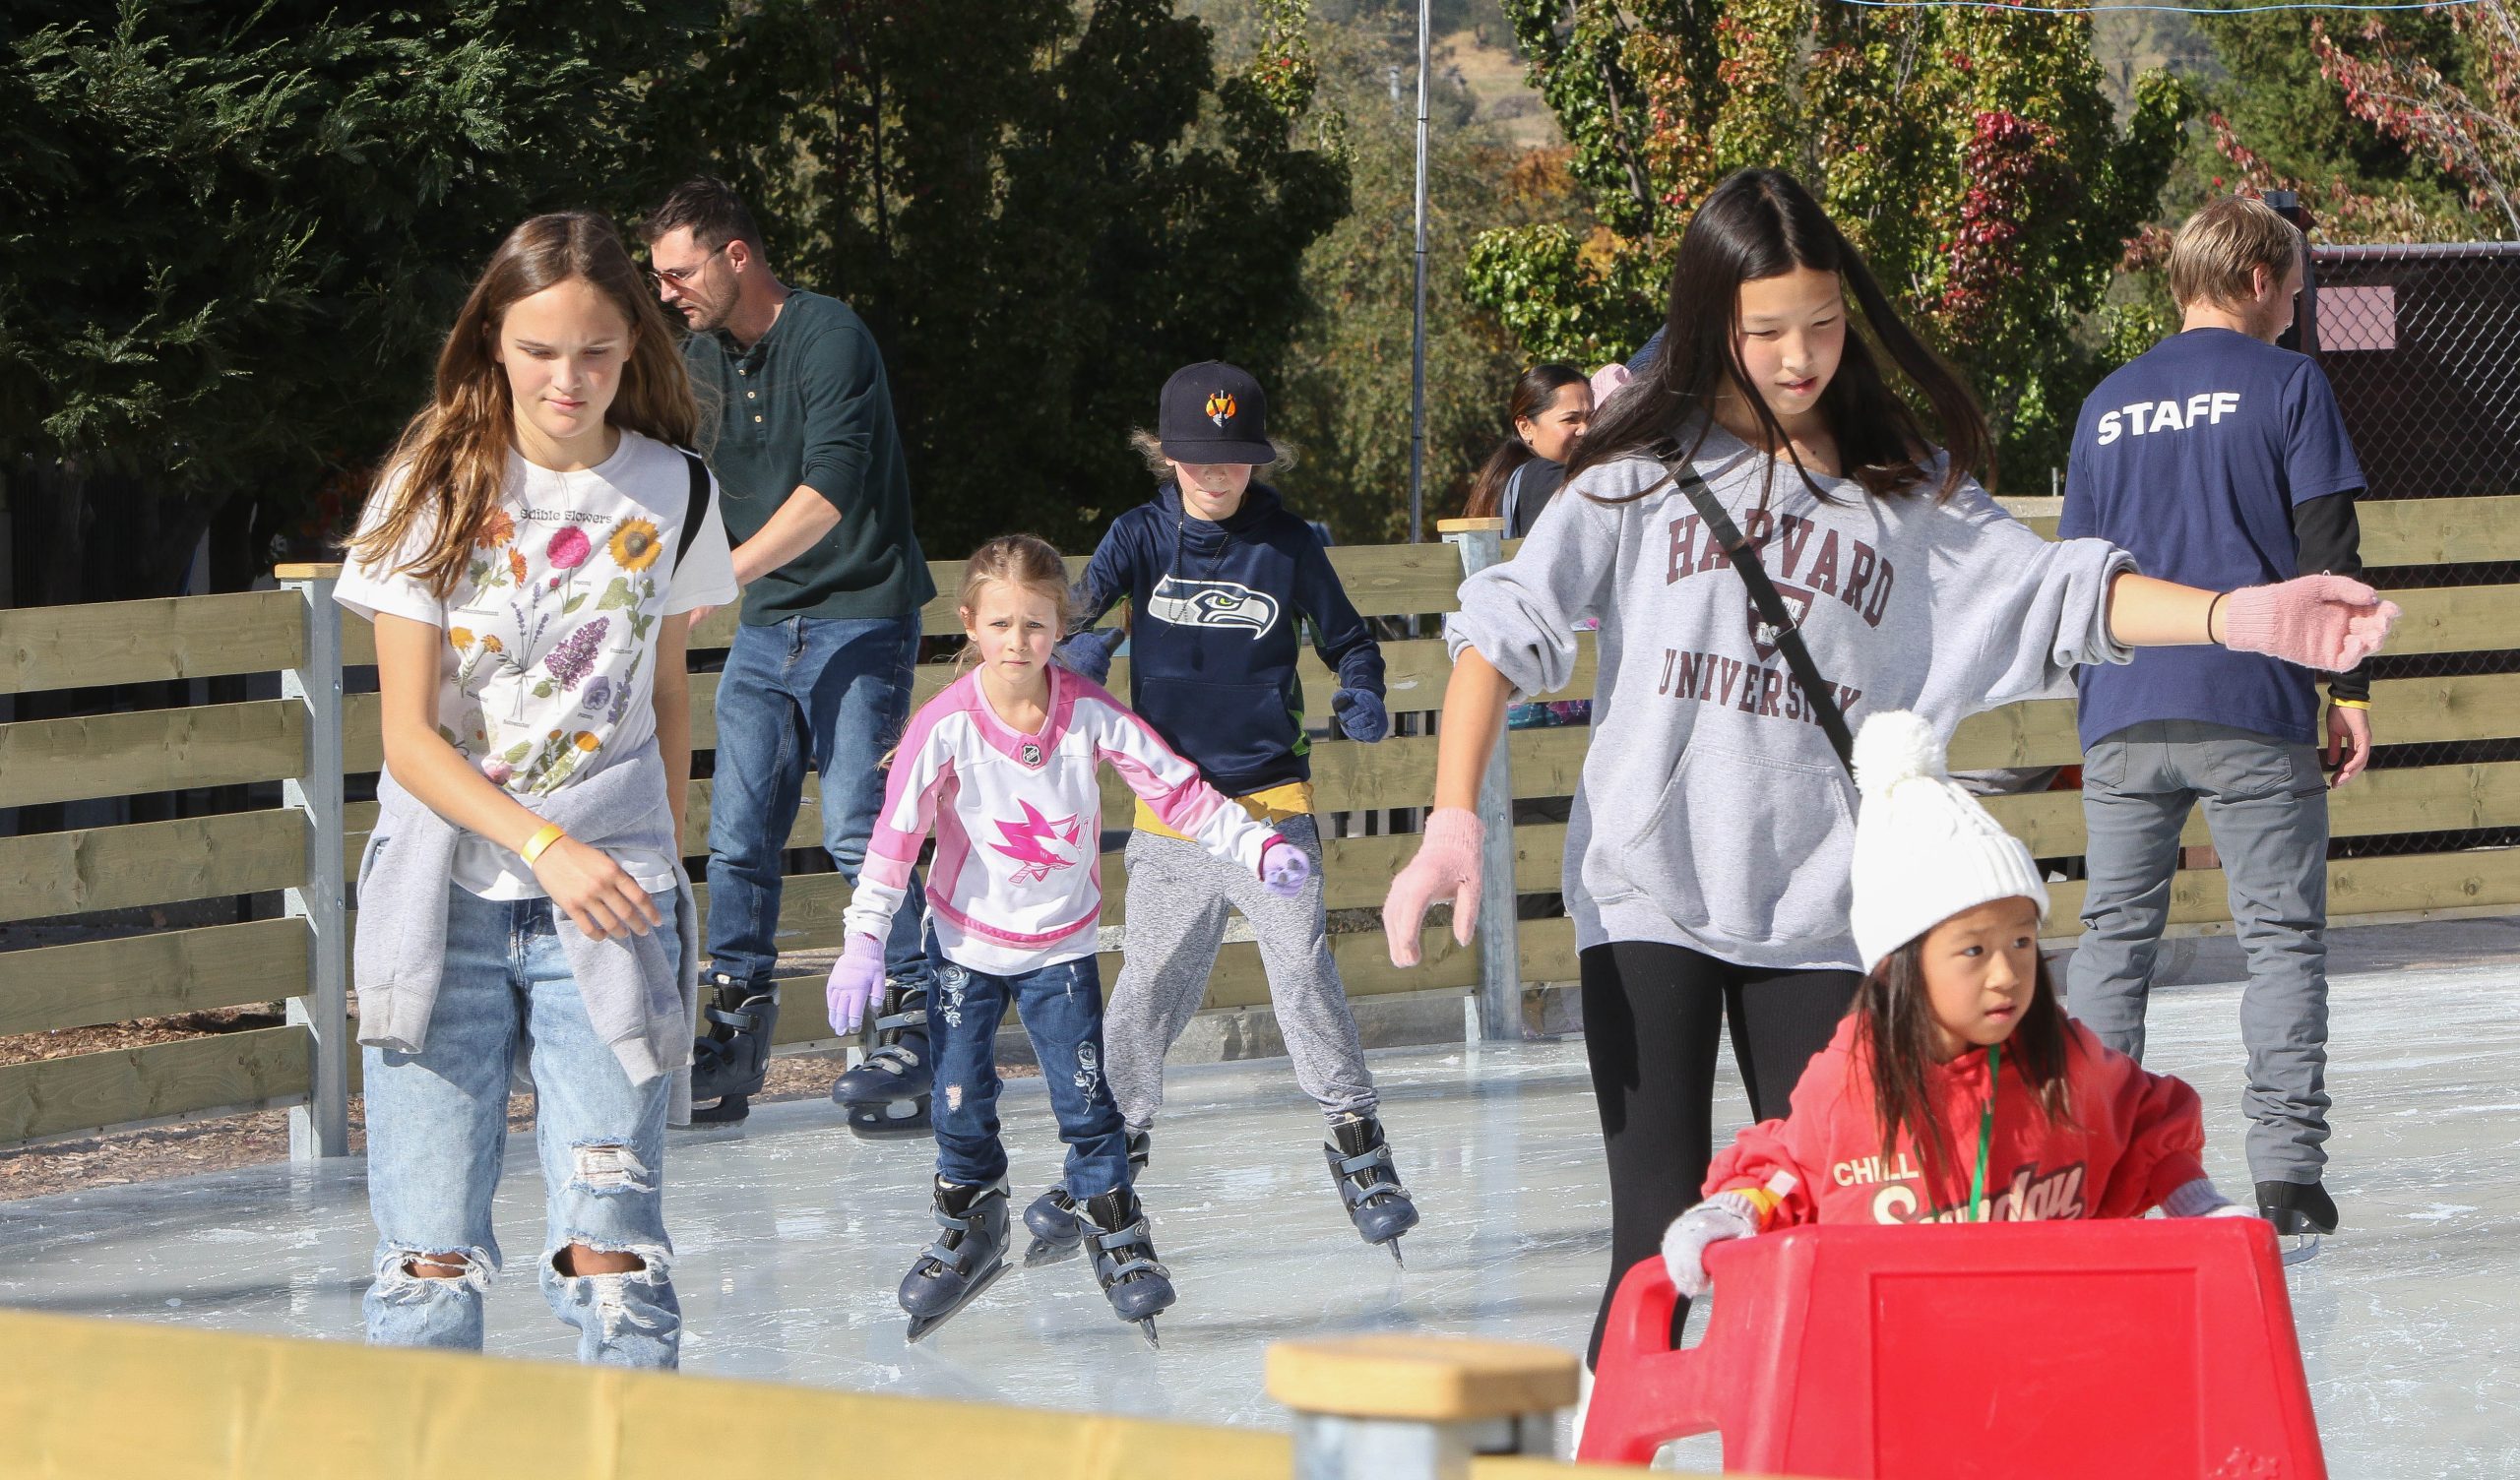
1215, 636
2136, 1137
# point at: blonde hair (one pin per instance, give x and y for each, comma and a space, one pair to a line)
451, 465
2217, 252
1150, 447
1025, 562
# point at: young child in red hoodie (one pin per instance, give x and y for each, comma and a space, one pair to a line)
1893, 1122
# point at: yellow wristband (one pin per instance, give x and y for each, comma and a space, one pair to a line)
540, 842
2349, 703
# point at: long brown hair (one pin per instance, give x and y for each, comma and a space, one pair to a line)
1762, 223
1534, 391
1894, 1043
449, 468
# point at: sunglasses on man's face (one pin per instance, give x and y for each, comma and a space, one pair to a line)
681, 276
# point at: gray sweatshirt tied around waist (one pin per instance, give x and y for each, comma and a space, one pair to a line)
1713, 813
643, 1003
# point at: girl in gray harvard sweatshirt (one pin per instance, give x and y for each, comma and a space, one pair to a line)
1707, 852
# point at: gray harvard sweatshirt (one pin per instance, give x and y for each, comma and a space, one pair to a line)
642, 1003
1713, 813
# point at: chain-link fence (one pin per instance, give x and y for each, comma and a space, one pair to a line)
2423, 345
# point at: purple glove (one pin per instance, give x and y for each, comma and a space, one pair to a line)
2330, 623
857, 985
1283, 868
1446, 867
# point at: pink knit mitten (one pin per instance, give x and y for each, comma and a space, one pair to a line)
1446, 865
2330, 623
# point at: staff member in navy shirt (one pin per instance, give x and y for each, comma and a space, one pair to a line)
2220, 461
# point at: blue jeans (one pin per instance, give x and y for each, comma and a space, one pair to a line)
811, 690
1061, 1008
437, 1130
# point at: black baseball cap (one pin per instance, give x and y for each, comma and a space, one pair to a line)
1215, 413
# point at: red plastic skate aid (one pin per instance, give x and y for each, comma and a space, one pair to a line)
2158, 1347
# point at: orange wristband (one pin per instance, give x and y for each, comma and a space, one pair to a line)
540, 842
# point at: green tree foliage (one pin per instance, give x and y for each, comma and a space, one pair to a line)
1345, 397
1973, 158
1040, 215
231, 238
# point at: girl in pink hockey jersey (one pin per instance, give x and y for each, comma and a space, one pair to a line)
1003, 766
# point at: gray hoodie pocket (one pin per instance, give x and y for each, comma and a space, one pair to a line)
1737, 847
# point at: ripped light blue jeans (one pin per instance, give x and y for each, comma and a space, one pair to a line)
437, 1128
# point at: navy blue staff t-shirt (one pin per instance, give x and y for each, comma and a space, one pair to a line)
2192, 457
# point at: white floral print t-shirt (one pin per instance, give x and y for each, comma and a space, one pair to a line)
550, 634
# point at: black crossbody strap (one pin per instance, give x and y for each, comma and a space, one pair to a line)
1763, 595
696, 510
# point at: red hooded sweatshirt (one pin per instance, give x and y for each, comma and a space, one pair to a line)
2137, 1137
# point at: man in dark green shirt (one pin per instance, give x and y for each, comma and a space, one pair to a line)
816, 498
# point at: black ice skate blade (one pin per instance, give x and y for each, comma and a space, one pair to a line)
1146, 1329
2299, 1249
1393, 1245
1044, 1252
876, 1123
921, 1325
731, 1110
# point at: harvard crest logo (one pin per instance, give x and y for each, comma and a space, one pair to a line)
1767, 639
1220, 407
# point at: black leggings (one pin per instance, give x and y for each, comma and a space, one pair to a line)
1650, 1016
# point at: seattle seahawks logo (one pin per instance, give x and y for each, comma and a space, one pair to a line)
1212, 603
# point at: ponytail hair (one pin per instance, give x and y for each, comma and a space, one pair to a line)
1534, 391
1762, 223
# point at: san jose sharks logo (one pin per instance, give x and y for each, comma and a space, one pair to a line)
1765, 638
1212, 603
1220, 407
1041, 845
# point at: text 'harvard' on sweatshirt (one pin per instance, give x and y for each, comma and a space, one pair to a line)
1713, 813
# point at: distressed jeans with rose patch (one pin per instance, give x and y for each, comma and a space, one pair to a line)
437, 1132
1061, 1008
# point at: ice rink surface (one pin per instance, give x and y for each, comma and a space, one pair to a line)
792, 1234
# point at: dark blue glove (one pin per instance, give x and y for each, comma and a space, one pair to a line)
1088, 654
1361, 715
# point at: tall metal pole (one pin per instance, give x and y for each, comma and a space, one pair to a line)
1418, 324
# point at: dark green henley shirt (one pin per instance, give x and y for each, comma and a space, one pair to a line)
809, 406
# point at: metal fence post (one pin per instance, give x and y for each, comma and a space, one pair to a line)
1482, 543
1416, 1407
322, 1126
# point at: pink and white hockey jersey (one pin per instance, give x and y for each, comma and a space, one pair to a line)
1017, 881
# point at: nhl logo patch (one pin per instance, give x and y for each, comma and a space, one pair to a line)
1031, 753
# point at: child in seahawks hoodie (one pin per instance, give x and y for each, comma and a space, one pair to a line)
1219, 577
1957, 1041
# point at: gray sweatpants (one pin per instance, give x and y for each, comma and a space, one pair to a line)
2265, 802
1178, 895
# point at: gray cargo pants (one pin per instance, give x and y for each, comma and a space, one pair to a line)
2265, 803
1179, 895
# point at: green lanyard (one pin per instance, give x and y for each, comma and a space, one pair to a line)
1978, 1211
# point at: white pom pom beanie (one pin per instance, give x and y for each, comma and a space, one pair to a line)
1924, 851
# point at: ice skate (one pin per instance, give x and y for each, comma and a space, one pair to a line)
733, 1054
1124, 1262
2302, 1213
966, 1259
887, 1094
1361, 1168
1057, 1229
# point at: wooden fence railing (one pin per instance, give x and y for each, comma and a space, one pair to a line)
305, 846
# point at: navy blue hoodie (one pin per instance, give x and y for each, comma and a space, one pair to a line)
1214, 641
